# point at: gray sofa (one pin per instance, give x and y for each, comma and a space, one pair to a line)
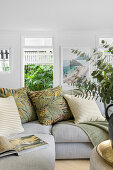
65, 142
71, 142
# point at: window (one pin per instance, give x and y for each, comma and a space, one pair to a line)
4, 60
108, 55
108, 40
38, 63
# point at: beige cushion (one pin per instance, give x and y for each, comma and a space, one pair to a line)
83, 109
10, 122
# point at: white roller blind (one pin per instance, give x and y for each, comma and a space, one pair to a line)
38, 42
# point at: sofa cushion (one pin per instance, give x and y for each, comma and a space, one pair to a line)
64, 132
10, 122
24, 105
50, 105
35, 127
83, 109
56, 111
97, 100
42, 98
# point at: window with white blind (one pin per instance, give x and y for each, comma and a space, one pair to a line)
4, 60
38, 63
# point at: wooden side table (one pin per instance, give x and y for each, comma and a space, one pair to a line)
97, 163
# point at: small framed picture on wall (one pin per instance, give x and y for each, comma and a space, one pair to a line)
73, 66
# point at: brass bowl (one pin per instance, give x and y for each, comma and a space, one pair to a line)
105, 150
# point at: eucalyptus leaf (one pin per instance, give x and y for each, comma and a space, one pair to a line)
102, 73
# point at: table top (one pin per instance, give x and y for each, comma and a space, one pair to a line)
105, 150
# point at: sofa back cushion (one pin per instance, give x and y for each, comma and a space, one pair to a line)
55, 111
50, 105
42, 98
84, 109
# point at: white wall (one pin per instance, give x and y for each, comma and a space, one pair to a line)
70, 23
13, 39
56, 14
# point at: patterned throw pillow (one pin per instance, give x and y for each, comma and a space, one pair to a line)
24, 105
42, 98
55, 111
50, 105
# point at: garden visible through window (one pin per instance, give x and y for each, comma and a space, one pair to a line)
38, 63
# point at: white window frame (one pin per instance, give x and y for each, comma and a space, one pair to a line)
33, 35
104, 35
98, 36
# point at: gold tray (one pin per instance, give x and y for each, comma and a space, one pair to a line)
105, 150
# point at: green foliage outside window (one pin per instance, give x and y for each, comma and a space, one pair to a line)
38, 77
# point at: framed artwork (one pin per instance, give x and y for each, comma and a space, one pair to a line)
73, 66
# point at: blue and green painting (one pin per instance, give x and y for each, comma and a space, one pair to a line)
74, 68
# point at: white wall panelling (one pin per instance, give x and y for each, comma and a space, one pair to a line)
11, 39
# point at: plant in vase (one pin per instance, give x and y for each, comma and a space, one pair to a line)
102, 75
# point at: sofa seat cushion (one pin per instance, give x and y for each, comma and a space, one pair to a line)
64, 132
35, 127
41, 159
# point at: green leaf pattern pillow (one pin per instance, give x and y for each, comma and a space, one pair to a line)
42, 98
55, 111
50, 105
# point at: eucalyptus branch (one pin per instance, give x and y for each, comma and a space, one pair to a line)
103, 73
